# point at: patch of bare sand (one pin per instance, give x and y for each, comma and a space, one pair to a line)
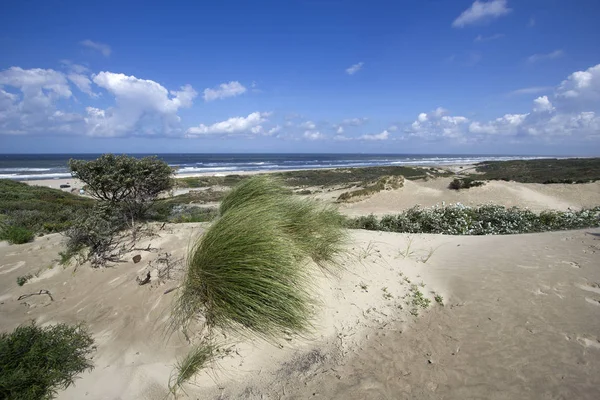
520, 322
537, 197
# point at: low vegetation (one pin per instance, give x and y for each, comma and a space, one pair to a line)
191, 364
29, 210
35, 362
570, 170
464, 183
383, 183
483, 220
21, 280
249, 272
320, 177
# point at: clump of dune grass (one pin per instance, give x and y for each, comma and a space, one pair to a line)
198, 358
246, 273
250, 271
256, 188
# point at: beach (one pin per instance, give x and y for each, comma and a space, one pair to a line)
511, 316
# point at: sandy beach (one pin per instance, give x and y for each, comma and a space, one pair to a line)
518, 320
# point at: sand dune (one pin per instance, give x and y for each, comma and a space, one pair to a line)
537, 197
520, 315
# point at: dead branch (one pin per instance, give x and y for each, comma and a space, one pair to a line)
42, 291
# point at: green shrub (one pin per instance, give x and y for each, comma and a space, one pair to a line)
17, 235
483, 220
96, 232
21, 280
464, 183
35, 362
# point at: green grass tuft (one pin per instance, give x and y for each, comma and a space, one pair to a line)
191, 364
250, 272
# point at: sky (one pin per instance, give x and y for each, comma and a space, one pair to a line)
405, 76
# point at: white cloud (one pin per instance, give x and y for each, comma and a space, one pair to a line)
273, 130
380, 136
341, 138
542, 104
250, 124
231, 89
572, 111
481, 11
481, 38
308, 125
83, 83
582, 85
142, 106
531, 90
543, 57
354, 68
340, 130
354, 121
392, 128
101, 47
313, 135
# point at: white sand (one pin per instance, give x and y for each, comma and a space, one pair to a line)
520, 318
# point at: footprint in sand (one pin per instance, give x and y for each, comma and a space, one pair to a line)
590, 287
572, 264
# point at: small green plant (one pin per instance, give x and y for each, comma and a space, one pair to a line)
439, 299
21, 280
198, 358
35, 362
365, 252
17, 235
418, 299
464, 183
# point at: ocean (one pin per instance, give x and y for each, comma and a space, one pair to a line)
55, 166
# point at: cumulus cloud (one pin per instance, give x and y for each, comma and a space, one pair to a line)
308, 125
224, 90
380, 136
544, 57
141, 106
101, 47
573, 110
354, 68
313, 135
236, 125
481, 11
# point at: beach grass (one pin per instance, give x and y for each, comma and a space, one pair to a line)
250, 271
198, 358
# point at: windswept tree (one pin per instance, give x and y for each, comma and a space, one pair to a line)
124, 182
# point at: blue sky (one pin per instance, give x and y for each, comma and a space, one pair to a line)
414, 76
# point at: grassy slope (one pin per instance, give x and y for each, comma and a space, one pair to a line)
37, 208
574, 170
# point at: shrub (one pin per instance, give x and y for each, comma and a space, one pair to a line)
125, 182
484, 220
37, 361
191, 364
17, 235
464, 183
96, 231
21, 280
383, 183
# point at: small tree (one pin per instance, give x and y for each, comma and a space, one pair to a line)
125, 182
